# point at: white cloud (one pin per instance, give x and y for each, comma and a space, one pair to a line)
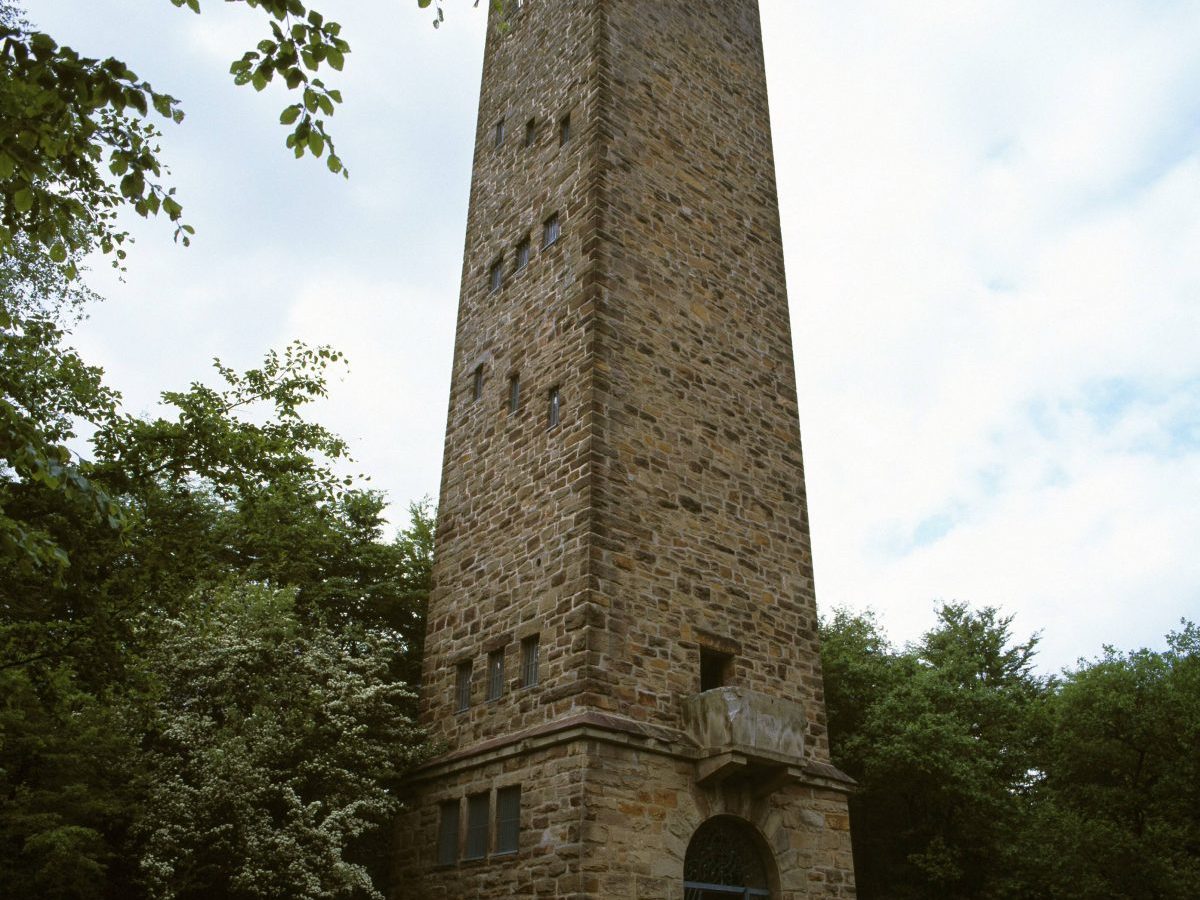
989, 209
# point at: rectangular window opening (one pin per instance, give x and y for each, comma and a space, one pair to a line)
477, 827
477, 382
530, 648
530, 132
462, 686
448, 834
508, 819
495, 674
499, 133
550, 231
716, 669
496, 276
514, 393
522, 254
564, 130
555, 407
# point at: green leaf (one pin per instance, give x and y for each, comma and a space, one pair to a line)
23, 200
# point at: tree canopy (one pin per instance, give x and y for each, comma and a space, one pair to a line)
978, 778
222, 528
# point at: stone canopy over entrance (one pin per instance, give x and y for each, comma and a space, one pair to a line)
621, 661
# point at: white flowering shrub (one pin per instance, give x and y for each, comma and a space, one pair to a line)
278, 747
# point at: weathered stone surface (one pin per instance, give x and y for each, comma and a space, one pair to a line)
735, 719
665, 512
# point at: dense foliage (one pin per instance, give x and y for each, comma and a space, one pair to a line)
205, 638
980, 779
272, 751
223, 605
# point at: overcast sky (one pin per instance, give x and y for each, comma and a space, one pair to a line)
991, 217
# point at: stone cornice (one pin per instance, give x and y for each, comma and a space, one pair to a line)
610, 729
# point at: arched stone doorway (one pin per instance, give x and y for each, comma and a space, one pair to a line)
726, 859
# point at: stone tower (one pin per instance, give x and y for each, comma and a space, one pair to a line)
622, 664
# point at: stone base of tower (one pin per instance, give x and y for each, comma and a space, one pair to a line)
608, 811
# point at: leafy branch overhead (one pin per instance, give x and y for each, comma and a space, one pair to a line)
301, 41
75, 148
79, 139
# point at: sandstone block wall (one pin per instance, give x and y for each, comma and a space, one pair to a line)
701, 520
547, 863
667, 510
515, 503
642, 810
665, 513
605, 821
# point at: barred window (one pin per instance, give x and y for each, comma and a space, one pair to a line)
477, 826
495, 674
551, 230
514, 393
448, 834
555, 407
529, 660
462, 686
496, 276
508, 819
522, 254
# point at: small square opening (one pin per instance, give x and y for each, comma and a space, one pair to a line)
716, 669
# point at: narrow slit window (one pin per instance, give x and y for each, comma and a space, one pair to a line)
514, 393
530, 132
508, 819
477, 382
555, 407
448, 834
477, 827
496, 276
551, 230
495, 674
522, 254
564, 130
498, 133
462, 686
529, 660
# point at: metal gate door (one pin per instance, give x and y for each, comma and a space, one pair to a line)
724, 861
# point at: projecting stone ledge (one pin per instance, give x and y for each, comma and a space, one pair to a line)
744, 733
